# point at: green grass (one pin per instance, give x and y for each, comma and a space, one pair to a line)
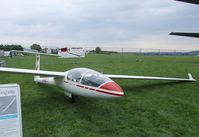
149, 108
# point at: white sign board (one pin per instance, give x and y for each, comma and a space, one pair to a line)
10, 111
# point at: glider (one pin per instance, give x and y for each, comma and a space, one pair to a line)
83, 81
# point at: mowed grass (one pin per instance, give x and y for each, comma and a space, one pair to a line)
149, 108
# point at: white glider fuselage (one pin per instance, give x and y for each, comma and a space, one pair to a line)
89, 83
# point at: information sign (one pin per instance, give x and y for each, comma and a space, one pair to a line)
10, 111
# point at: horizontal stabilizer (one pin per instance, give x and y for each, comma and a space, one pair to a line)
190, 79
32, 72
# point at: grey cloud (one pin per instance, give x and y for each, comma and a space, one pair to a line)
94, 21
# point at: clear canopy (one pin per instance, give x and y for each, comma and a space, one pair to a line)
87, 77
76, 74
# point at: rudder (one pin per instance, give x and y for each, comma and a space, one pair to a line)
37, 66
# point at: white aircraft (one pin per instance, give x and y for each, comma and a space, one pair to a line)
73, 52
83, 81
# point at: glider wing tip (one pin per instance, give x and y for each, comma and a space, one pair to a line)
171, 33
191, 77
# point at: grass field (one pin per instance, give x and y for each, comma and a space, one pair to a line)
149, 108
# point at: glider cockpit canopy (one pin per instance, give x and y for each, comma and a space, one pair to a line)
87, 77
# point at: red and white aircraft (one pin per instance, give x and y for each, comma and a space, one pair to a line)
72, 52
83, 81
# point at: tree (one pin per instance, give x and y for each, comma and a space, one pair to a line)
35, 47
16, 47
98, 50
8, 47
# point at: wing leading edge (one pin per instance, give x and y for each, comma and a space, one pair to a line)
33, 72
190, 79
62, 74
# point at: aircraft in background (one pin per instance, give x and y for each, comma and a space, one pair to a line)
72, 52
189, 1
186, 34
83, 81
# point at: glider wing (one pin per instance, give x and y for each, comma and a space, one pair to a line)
190, 78
35, 53
33, 72
45, 54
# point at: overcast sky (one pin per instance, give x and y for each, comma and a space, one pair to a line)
121, 23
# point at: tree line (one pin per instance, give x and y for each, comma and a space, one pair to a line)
10, 47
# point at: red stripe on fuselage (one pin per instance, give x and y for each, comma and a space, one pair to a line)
97, 90
80, 86
110, 93
91, 88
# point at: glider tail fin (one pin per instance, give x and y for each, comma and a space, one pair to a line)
37, 62
37, 67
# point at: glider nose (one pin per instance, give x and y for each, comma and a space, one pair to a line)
114, 88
